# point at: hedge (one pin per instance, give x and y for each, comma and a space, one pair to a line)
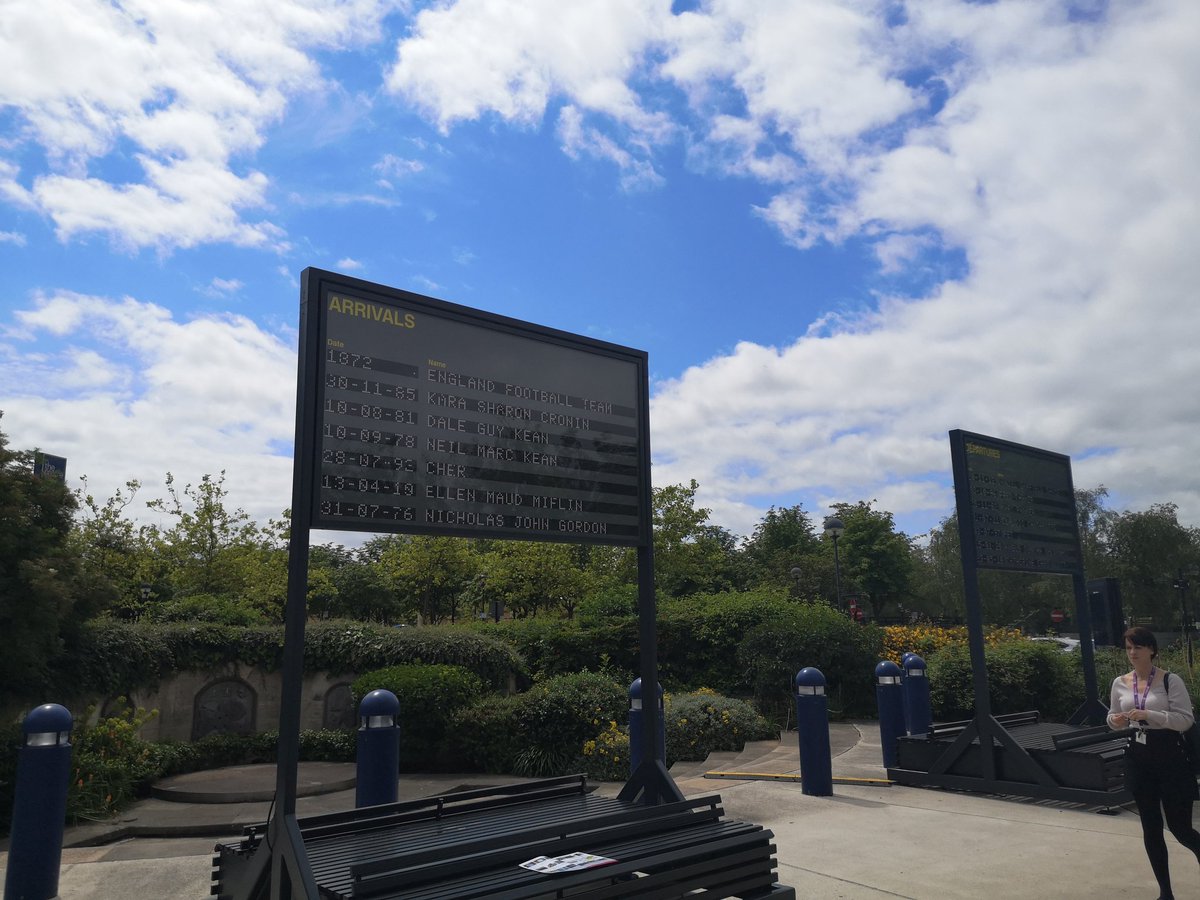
116, 658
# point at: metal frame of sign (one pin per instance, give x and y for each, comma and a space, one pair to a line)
1016, 512
413, 462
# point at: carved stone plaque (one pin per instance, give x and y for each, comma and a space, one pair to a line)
339, 708
224, 707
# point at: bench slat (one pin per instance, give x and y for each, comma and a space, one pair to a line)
707, 851
662, 817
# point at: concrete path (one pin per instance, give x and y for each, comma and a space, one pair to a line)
867, 841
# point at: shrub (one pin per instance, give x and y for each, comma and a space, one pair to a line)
485, 735
110, 765
114, 658
1022, 675
541, 731
558, 715
429, 696
698, 636
811, 635
926, 640
615, 605
10, 743
704, 721
216, 751
606, 757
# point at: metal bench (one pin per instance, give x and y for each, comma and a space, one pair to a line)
470, 845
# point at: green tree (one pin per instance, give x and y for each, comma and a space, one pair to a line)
116, 565
1147, 550
1094, 521
428, 575
259, 569
782, 542
875, 558
40, 601
689, 556
529, 576
201, 551
1017, 599
937, 587
730, 569
347, 584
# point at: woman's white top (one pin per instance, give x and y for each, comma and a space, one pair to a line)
1174, 712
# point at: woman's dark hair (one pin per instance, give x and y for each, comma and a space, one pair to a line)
1142, 637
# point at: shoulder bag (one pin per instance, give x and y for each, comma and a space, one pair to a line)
1190, 738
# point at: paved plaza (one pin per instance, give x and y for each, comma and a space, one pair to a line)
867, 841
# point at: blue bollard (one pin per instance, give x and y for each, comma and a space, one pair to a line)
918, 708
903, 694
812, 730
891, 709
378, 757
39, 804
635, 726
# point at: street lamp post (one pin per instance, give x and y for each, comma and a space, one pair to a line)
834, 529
1182, 584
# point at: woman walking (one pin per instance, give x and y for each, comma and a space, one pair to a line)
1157, 772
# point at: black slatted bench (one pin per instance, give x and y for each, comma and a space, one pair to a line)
470, 845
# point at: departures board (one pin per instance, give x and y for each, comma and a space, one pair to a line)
435, 418
1016, 505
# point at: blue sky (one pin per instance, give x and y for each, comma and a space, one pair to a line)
840, 229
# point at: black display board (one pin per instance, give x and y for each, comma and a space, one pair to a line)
420, 416
436, 418
1016, 505
1016, 511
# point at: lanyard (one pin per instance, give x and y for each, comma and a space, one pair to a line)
1145, 693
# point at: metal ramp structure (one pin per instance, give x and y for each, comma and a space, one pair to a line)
1041, 760
1016, 512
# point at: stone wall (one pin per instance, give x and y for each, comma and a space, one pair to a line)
236, 699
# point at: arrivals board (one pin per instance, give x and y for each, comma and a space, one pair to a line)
1016, 505
436, 418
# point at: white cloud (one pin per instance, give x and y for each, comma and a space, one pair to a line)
12, 237
346, 264
579, 140
187, 87
1050, 166
220, 287
473, 56
1072, 331
136, 393
895, 251
466, 59
89, 371
392, 166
